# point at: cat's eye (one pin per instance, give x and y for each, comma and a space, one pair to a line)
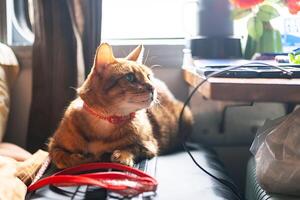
130, 77
149, 76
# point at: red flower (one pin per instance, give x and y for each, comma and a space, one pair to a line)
245, 3
294, 6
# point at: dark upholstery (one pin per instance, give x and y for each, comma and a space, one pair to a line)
255, 192
179, 178
177, 175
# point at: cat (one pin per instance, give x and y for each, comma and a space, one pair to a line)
122, 113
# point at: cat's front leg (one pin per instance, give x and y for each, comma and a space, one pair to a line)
63, 159
130, 155
124, 157
150, 149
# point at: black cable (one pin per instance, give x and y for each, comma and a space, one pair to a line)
214, 74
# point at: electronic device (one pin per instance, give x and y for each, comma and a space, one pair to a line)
248, 70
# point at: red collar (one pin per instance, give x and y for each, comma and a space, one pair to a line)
114, 119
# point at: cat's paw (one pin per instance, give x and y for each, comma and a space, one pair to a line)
77, 157
151, 149
122, 157
72, 160
60, 164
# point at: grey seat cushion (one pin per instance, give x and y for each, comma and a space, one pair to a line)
179, 178
255, 192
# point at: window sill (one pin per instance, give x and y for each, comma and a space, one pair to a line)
146, 41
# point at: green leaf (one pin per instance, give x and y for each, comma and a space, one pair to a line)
266, 13
239, 13
294, 59
255, 27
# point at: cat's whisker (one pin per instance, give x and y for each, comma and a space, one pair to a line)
147, 57
158, 105
153, 66
151, 58
73, 88
157, 102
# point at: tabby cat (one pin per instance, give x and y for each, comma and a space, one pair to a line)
121, 113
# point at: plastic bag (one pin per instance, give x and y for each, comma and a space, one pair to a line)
276, 148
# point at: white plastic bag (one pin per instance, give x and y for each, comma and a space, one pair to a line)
276, 148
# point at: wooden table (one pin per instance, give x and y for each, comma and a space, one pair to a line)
246, 89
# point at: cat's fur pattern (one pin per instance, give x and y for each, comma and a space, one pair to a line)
82, 137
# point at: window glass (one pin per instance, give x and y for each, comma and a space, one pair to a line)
286, 23
138, 19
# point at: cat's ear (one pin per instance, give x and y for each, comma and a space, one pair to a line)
104, 56
137, 54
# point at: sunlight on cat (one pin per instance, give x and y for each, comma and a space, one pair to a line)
121, 111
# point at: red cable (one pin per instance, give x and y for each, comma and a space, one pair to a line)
127, 180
